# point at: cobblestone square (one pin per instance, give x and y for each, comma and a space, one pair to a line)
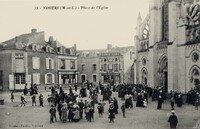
13, 116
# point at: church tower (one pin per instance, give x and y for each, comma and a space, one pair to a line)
155, 12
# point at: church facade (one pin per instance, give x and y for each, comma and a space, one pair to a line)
167, 44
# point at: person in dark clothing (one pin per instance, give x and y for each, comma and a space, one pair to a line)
123, 108
12, 96
160, 101
75, 87
91, 114
23, 101
52, 112
92, 103
179, 101
115, 102
111, 113
59, 107
100, 110
172, 103
81, 106
173, 120
41, 100
70, 115
33, 99
25, 89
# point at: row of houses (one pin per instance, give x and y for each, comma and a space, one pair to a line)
28, 58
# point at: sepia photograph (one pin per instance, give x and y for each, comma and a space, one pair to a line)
99, 64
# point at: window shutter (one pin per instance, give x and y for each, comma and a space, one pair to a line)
45, 78
52, 63
34, 78
53, 78
11, 82
38, 62
38, 78
33, 62
47, 63
28, 80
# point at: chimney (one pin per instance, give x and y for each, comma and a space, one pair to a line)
109, 46
51, 39
75, 47
33, 31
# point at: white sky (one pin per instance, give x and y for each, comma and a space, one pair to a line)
89, 29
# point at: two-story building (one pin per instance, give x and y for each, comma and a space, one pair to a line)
28, 58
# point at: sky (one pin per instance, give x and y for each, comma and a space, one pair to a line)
87, 28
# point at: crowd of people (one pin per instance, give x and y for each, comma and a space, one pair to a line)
72, 106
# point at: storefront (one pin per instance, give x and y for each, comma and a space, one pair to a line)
67, 77
112, 78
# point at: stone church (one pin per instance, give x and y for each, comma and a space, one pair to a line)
167, 45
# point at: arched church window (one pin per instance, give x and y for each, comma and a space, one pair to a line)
145, 32
144, 61
195, 57
193, 15
196, 72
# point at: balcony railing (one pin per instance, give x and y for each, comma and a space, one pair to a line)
162, 45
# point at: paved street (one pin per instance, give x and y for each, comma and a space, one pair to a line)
12, 116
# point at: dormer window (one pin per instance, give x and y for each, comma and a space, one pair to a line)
48, 49
34, 47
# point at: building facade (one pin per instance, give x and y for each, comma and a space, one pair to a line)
28, 58
168, 45
112, 65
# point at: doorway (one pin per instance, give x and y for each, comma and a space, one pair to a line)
165, 80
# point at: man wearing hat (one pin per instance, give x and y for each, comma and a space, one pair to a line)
173, 120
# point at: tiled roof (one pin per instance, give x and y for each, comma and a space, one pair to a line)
97, 52
24, 40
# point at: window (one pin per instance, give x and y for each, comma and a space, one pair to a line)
36, 78
83, 78
94, 67
36, 62
115, 67
49, 78
115, 59
94, 78
62, 64
104, 60
195, 57
144, 61
105, 67
101, 67
58, 49
110, 66
72, 64
50, 65
83, 67
20, 79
